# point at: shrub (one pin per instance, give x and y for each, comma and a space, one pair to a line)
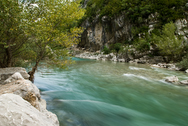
106, 50
143, 45
184, 63
168, 43
117, 47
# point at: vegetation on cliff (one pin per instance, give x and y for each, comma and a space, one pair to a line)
168, 43
138, 10
161, 14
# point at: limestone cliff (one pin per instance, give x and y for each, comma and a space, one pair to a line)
105, 31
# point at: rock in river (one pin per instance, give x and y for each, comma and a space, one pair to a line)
184, 82
172, 79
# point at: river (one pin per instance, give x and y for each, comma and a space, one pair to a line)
102, 93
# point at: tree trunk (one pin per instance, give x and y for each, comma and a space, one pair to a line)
38, 59
9, 57
2, 65
32, 72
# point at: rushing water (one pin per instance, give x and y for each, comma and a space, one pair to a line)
96, 93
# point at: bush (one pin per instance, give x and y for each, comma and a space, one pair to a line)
117, 47
106, 50
184, 63
168, 43
143, 45
18, 62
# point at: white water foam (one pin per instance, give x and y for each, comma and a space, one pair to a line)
137, 76
167, 83
161, 71
136, 68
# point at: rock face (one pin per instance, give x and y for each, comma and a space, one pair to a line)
26, 90
15, 111
105, 31
181, 25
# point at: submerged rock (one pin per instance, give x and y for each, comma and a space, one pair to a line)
15, 111
184, 82
172, 79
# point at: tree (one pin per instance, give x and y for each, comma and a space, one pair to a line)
168, 42
53, 29
12, 31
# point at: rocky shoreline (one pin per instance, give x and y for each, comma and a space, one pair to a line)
156, 61
159, 63
21, 102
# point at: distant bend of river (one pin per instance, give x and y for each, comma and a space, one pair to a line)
96, 93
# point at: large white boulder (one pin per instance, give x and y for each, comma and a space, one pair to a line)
172, 79
14, 77
15, 111
7, 72
24, 88
16, 84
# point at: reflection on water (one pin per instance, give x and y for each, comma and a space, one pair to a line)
95, 93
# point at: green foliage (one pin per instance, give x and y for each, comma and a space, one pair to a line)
139, 30
169, 10
38, 29
143, 45
12, 33
102, 7
127, 42
19, 62
168, 42
117, 47
138, 10
53, 28
124, 50
106, 50
184, 63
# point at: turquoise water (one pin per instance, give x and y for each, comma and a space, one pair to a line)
96, 93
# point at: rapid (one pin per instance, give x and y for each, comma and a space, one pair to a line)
102, 93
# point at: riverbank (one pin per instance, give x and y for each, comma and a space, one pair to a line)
143, 58
21, 102
158, 60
